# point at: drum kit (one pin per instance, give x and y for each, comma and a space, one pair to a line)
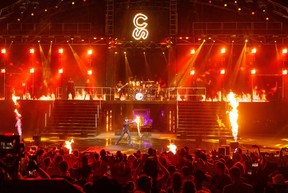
141, 90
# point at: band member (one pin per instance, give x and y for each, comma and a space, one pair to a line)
119, 89
70, 88
88, 90
125, 129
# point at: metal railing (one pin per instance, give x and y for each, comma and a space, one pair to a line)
128, 94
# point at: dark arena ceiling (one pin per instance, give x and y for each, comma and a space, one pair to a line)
90, 21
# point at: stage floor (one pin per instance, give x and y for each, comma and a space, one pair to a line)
160, 141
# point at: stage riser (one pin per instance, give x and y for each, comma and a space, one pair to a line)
254, 118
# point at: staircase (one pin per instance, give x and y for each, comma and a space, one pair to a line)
203, 119
73, 118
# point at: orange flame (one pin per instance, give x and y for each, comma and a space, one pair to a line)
18, 116
69, 146
233, 114
172, 148
137, 120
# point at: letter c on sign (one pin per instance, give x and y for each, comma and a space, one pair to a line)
140, 31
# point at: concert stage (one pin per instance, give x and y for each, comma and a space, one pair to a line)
257, 121
160, 141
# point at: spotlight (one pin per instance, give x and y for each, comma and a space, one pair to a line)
31, 51
3, 51
192, 72
89, 72
253, 71
32, 70
223, 50
284, 71
284, 51
90, 52
3, 71
60, 50
253, 51
222, 71
60, 71
192, 51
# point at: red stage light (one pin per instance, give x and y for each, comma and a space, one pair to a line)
60, 51
222, 71
284, 71
8, 134
89, 72
253, 51
3, 51
253, 71
192, 72
32, 70
3, 71
60, 71
284, 51
31, 51
192, 51
223, 50
90, 52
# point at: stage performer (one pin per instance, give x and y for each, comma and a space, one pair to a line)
125, 129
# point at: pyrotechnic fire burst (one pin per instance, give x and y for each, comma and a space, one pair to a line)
68, 145
18, 116
172, 148
233, 114
137, 120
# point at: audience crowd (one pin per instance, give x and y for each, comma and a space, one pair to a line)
185, 171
